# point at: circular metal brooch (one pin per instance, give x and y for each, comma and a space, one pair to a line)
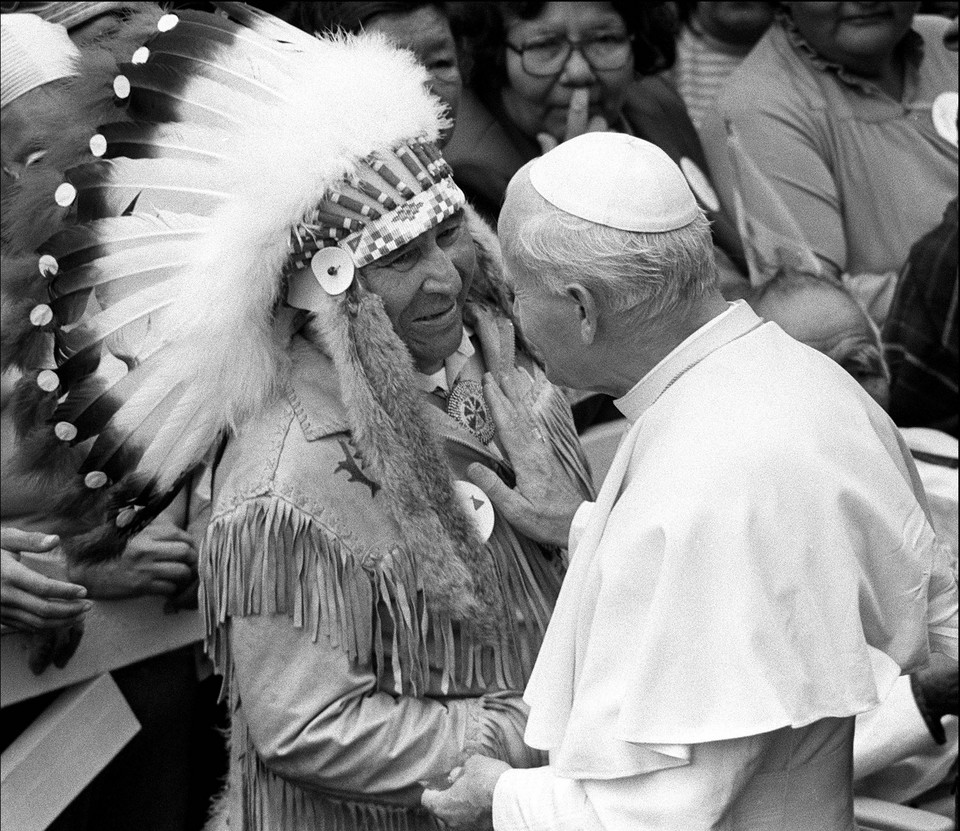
467, 406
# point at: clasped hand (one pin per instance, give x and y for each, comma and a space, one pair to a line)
545, 499
467, 805
160, 560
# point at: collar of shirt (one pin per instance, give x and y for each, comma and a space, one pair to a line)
912, 45
737, 320
452, 367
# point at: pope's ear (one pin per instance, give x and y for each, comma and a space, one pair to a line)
587, 311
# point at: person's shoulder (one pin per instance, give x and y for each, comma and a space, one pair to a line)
939, 65
932, 28
479, 146
773, 75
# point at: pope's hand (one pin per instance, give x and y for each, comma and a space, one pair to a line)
545, 499
578, 121
467, 805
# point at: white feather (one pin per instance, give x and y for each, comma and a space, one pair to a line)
354, 96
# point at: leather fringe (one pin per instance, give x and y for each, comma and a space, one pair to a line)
267, 557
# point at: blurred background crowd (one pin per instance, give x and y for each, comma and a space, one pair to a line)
819, 138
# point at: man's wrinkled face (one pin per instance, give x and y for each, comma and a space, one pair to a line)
549, 322
424, 286
541, 104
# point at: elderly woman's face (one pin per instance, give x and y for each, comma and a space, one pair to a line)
859, 36
540, 104
424, 285
426, 33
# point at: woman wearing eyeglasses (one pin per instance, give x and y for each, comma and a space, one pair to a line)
541, 73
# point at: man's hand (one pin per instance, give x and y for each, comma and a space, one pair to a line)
545, 499
29, 601
935, 689
578, 121
161, 560
467, 805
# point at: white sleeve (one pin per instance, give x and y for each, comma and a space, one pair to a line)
579, 524
690, 796
536, 800
942, 603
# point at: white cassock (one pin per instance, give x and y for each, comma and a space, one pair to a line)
757, 569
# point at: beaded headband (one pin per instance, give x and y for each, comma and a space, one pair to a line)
393, 199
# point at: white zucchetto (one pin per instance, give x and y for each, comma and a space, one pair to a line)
616, 180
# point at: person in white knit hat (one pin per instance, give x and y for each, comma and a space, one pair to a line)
33, 55
758, 566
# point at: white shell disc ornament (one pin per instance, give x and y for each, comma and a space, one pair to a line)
333, 267
944, 114
65, 194
477, 506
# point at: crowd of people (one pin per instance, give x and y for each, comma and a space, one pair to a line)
310, 312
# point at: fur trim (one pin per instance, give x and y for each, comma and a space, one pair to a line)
22, 344
388, 421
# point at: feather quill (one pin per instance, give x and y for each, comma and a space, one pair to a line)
267, 25
117, 186
170, 141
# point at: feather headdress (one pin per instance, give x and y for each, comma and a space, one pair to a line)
249, 151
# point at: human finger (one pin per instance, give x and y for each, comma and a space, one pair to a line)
578, 112
547, 142
163, 588
13, 539
170, 570
27, 617
19, 576
56, 610
173, 550
597, 124
501, 407
169, 532
506, 500
517, 386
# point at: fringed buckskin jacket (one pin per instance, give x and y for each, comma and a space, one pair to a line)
345, 690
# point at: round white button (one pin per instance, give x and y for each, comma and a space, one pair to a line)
48, 380
477, 506
65, 431
41, 315
95, 479
65, 194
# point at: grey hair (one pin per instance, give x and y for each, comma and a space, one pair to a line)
648, 274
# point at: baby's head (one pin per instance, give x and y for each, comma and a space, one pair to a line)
825, 316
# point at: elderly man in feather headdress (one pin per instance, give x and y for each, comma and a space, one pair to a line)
290, 277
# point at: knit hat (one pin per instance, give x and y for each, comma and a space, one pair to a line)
33, 52
71, 14
260, 160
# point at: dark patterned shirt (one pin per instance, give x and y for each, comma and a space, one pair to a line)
920, 335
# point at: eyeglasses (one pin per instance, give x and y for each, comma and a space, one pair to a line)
546, 57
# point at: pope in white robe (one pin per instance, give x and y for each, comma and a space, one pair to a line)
759, 566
